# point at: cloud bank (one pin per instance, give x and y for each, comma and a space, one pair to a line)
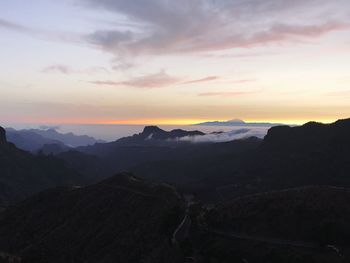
236, 134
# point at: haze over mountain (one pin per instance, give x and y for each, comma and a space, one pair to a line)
35, 139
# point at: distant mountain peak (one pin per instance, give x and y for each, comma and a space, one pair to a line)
236, 121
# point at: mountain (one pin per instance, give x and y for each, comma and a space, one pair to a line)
237, 122
34, 140
151, 144
287, 157
28, 140
156, 155
200, 168
153, 133
2, 136
121, 219
92, 167
312, 153
53, 148
22, 174
70, 139
151, 136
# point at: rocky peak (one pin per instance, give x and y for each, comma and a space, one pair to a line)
151, 129
2, 135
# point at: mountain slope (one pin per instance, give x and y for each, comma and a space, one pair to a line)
122, 219
150, 136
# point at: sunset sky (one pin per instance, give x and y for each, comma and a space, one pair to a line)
174, 62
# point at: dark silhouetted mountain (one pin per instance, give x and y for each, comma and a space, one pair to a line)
22, 174
200, 168
151, 144
287, 157
92, 167
2, 135
314, 153
53, 148
122, 219
152, 133
191, 166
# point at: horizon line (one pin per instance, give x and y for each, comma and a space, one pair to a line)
166, 122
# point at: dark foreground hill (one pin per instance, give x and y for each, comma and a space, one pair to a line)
303, 225
122, 219
315, 213
22, 174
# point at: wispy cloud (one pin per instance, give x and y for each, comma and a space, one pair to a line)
239, 81
206, 79
65, 69
13, 26
158, 80
235, 134
40, 33
227, 93
57, 68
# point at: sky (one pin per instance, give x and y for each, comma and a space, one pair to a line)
174, 62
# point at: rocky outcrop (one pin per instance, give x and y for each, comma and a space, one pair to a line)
2, 135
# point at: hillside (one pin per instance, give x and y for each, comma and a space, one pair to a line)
314, 213
303, 225
122, 219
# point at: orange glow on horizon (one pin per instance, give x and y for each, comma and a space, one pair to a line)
160, 121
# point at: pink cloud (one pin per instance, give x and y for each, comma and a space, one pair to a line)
226, 93
64, 69
237, 81
58, 68
206, 79
158, 80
